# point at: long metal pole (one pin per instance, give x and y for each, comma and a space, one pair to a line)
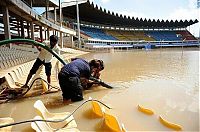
78, 24
60, 8
61, 19
199, 16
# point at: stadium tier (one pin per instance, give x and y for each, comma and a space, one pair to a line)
98, 23
164, 35
97, 33
137, 35
18, 54
186, 35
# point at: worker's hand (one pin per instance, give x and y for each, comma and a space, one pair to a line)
96, 74
84, 81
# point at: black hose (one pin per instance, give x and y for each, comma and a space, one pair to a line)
33, 83
21, 95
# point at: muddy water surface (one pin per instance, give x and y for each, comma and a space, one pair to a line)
164, 80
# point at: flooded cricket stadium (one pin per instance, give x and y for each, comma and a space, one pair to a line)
142, 59
163, 80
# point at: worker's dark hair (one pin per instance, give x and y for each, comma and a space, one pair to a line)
96, 64
101, 64
54, 38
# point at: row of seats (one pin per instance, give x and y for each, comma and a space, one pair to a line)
137, 35
15, 76
129, 35
97, 33
16, 55
15, 64
186, 35
164, 35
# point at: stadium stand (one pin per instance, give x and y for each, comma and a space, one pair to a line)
108, 29
186, 35
15, 63
97, 33
16, 55
164, 35
129, 35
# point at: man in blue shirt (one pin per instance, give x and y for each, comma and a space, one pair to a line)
75, 72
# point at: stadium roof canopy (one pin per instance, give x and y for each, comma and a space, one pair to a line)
42, 3
88, 12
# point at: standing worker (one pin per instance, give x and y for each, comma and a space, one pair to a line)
45, 59
74, 74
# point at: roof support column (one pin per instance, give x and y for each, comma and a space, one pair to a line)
45, 33
61, 39
28, 27
32, 30
41, 37
18, 27
6, 22
60, 7
31, 3
47, 8
55, 15
48, 37
71, 41
22, 28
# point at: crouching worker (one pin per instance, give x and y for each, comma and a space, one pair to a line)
75, 72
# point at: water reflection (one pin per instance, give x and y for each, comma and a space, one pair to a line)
165, 80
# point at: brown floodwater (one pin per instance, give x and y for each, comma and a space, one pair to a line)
164, 80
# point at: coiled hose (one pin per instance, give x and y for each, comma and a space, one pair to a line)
32, 42
8, 98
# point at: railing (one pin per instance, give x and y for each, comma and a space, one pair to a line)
136, 44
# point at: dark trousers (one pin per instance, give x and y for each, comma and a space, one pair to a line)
38, 63
71, 87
